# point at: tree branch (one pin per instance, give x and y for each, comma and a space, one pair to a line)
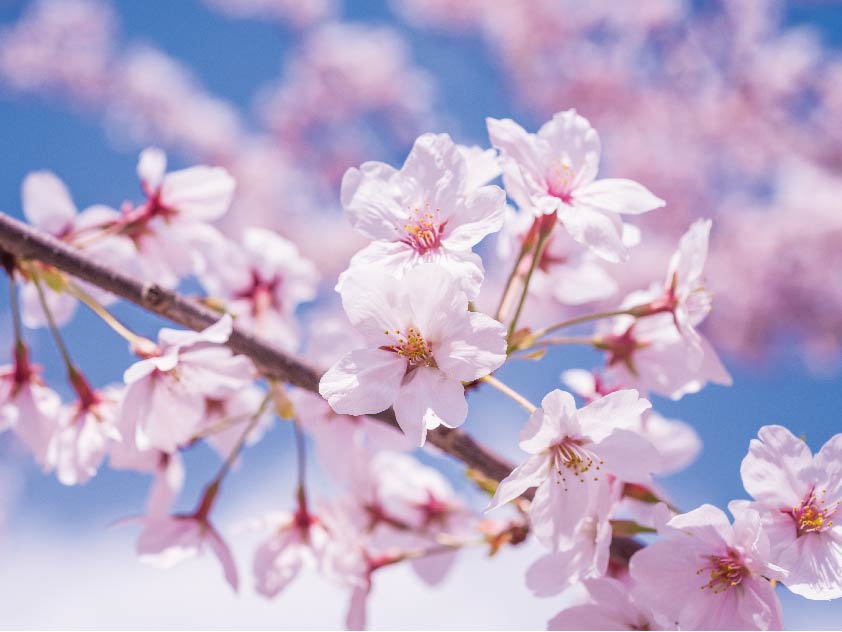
25, 242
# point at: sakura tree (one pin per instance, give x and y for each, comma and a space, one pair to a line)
372, 335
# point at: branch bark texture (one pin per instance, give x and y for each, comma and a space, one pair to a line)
25, 242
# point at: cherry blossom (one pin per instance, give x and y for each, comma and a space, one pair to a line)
573, 454
28, 407
422, 343
798, 496
427, 211
297, 541
164, 401
606, 604
715, 573
261, 280
169, 540
554, 171
48, 205
85, 430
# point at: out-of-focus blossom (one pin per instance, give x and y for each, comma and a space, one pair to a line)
296, 542
85, 430
422, 343
261, 280
606, 604
169, 540
799, 497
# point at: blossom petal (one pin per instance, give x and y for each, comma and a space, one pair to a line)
770, 469
202, 193
618, 195
364, 381
475, 350
47, 203
530, 473
427, 399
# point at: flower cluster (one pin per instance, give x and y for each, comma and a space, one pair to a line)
424, 328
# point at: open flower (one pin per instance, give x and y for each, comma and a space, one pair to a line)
429, 210
166, 394
554, 171
713, 573
169, 540
799, 497
573, 454
262, 280
422, 344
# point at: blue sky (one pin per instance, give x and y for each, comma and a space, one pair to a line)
43, 134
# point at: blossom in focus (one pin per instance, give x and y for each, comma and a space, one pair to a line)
424, 212
165, 397
554, 171
573, 454
799, 498
422, 343
714, 573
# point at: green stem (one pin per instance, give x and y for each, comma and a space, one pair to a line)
580, 319
503, 307
15, 303
301, 455
235, 452
137, 342
68, 363
543, 237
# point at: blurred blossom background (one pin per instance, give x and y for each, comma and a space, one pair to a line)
728, 110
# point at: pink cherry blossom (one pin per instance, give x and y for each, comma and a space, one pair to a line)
403, 505
262, 280
297, 541
81, 440
426, 211
226, 418
554, 171
169, 540
48, 205
334, 434
653, 355
606, 604
165, 397
422, 343
677, 442
585, 556
714, 573
799, 497
28, 407
573, 454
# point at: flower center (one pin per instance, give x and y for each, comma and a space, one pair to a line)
571, 458
412, 346
813, 514
725, 571
560, 181
424, 229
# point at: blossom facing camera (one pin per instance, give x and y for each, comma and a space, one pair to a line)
422, 343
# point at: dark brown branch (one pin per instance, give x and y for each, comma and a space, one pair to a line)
25, 242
